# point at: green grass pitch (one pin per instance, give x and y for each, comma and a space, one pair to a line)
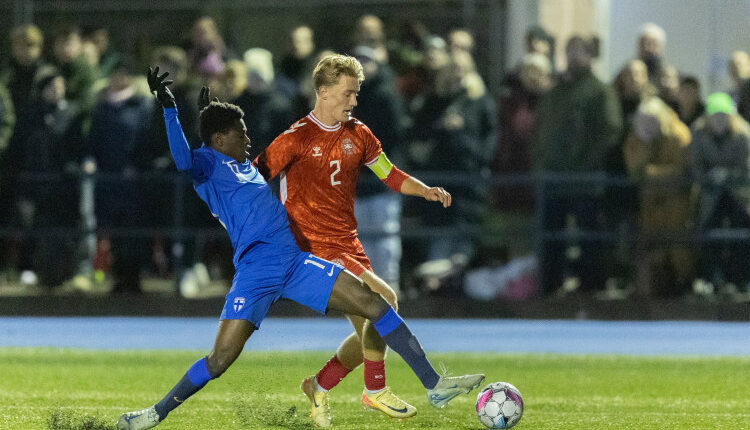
76, 389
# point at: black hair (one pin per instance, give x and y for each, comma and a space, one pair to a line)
691, 81
536, 32
218, 117
591, 44
66, 30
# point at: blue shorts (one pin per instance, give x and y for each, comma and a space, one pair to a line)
298, 276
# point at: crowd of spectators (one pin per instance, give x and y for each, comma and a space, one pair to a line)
626, 179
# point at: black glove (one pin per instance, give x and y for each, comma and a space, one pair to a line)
205, 98
157, 84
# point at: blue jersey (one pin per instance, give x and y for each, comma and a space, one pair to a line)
237, 196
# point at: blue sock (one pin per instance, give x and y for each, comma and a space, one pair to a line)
195, 378
397, 335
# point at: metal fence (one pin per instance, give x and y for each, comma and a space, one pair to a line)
177, 198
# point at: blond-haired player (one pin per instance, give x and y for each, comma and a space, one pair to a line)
318, 160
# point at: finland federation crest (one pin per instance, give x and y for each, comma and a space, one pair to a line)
239, 303
347, 146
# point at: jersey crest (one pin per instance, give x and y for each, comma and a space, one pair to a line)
347, 146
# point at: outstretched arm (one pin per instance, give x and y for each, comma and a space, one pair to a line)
178, 144
403, 183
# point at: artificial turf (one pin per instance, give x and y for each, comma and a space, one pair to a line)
82, 389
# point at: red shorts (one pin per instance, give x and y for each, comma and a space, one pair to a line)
353, 259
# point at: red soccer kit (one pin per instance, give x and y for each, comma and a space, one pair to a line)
318, 167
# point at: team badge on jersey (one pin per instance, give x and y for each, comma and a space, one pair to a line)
316, 152
347, 146
239, 303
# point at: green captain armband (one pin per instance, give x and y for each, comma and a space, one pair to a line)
387, 172
381, 166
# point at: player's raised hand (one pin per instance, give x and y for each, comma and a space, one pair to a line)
158, 85
205, 98
438, 194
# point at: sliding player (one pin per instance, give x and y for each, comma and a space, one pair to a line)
268, 263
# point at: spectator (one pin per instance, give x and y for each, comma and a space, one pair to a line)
418, 82
206, 51
52, 144
460, 39
405, 52
97, 39
517, 119
632, 87
79, 75
689, 101
369, 32
652, 40
21, 69
17, 92
267, 113
297, 65
719, 156
455, 133
116, 142
656, 156
230, 83
739, 71
378, 209
538, 41
579, 122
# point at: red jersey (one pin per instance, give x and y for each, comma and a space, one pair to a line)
318, 167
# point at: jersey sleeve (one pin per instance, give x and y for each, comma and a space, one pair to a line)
372, 147
198, 167
279, 154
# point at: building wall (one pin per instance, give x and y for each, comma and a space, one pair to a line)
701, 34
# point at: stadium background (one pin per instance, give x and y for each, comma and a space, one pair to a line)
498, 27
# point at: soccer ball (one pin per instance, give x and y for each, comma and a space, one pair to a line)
499, 405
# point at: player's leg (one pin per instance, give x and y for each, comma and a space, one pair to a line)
350, 295
230, 340
377, 394
349, 354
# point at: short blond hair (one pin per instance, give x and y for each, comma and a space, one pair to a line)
330, 68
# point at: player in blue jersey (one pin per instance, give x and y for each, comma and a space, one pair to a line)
268, 264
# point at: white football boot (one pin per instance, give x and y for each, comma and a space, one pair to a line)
449, 387
138, 420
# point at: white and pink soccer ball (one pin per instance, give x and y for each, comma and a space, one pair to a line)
499, 405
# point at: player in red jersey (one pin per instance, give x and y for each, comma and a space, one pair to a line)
318, 160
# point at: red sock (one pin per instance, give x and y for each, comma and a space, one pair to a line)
374, 375
332, 373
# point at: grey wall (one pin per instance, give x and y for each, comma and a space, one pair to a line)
701, 34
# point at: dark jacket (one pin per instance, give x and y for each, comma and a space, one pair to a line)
579, 122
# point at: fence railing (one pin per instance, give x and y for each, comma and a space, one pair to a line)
177, 190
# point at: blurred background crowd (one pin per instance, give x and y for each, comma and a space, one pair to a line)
563, 182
